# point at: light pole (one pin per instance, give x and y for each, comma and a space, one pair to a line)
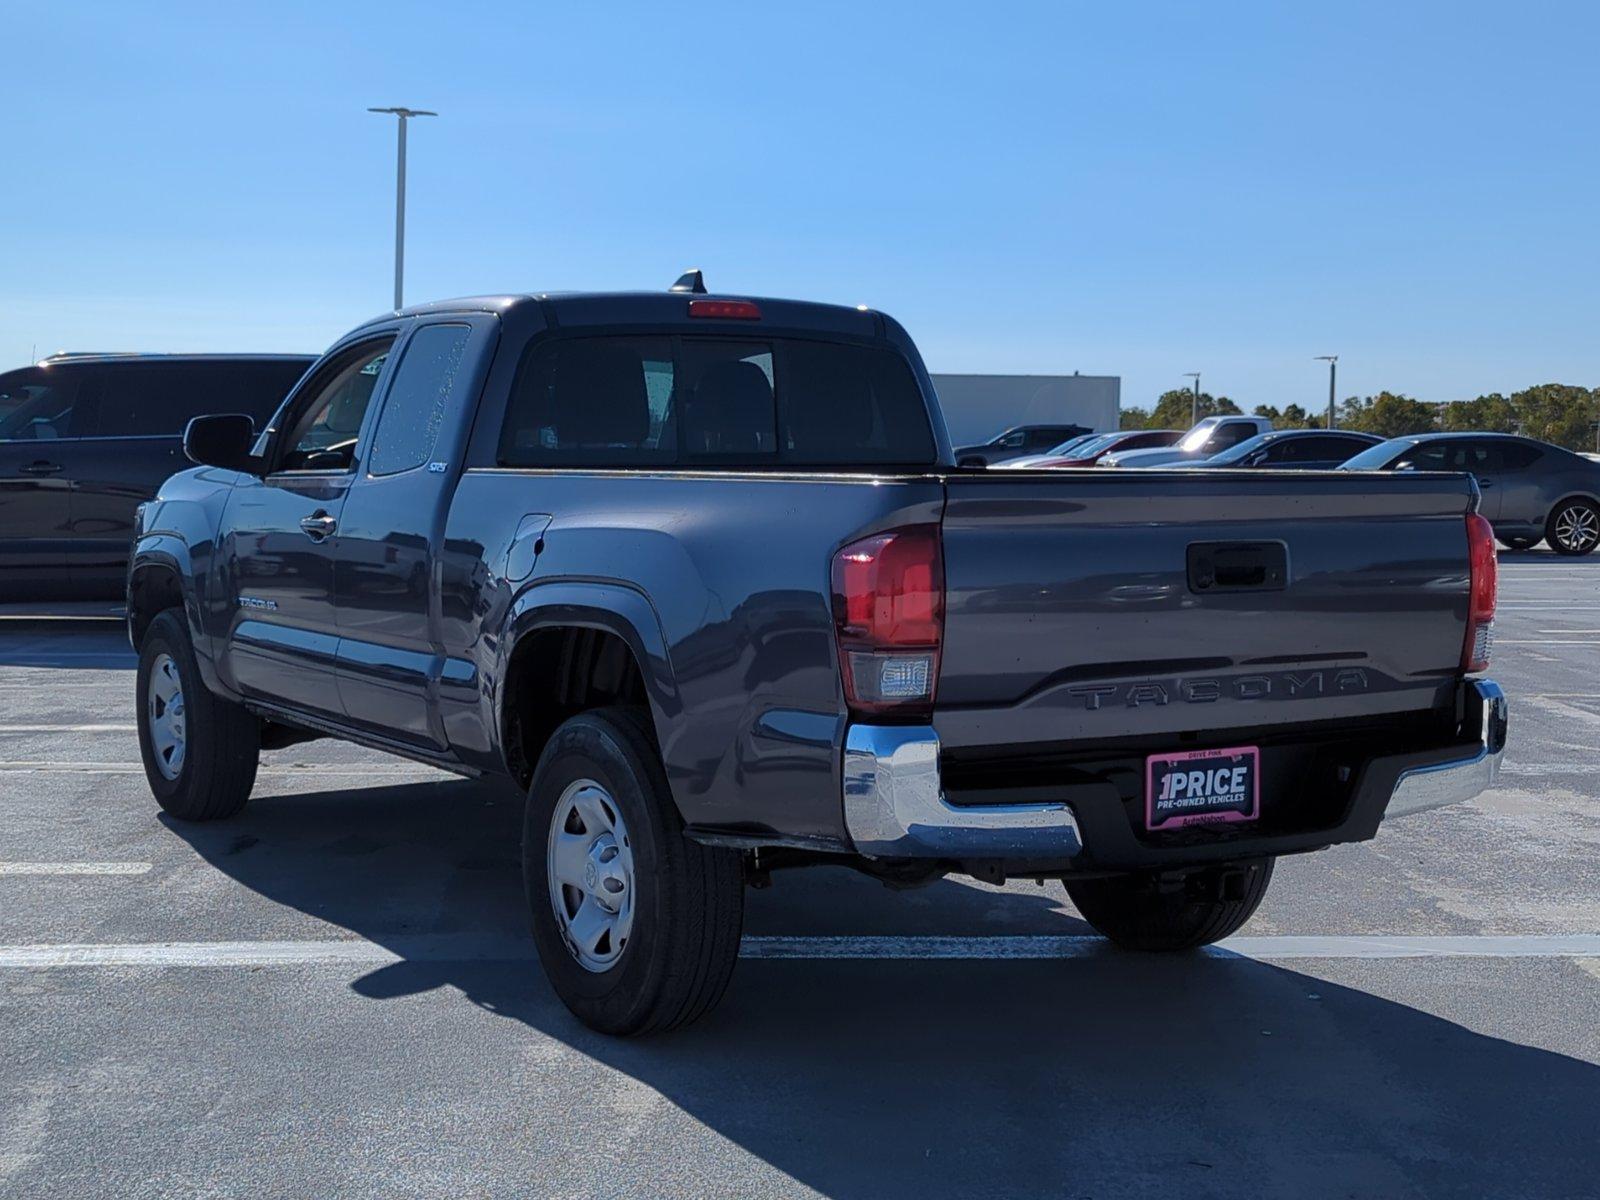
1333, 373
1194, 404
403, 114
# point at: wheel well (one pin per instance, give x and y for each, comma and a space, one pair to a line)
554, 674
152, 590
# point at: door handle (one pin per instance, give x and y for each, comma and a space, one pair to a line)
318, 525
42, 468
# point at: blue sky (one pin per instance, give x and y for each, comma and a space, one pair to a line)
1133, 189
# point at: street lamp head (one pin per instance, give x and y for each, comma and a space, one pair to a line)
1325, 358
403, 113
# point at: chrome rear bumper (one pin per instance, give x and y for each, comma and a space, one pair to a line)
1463, 778
894, 803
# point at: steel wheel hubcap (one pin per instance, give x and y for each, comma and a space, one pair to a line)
1577, 527
589, 865
165, 709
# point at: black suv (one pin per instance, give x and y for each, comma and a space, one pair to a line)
85, 438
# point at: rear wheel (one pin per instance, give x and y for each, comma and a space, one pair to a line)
1153, 912
200, 751
636, 925
1519, 543
1573, 528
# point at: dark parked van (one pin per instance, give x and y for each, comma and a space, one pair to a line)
85, 438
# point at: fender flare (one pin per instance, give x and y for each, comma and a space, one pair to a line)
168, 552
604, 604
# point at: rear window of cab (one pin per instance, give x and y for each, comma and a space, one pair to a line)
691, 401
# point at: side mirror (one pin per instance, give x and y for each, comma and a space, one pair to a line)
1407, 465
972, 460
221, 441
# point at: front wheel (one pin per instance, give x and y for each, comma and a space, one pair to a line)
1152, 912
200, 751
636, 925
1573, 528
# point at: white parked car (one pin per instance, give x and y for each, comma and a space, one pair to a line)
1211, 435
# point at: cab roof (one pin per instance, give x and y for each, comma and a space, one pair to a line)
657, 308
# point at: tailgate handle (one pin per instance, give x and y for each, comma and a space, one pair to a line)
1238, 566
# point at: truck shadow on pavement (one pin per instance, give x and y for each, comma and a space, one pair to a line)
1115, 1074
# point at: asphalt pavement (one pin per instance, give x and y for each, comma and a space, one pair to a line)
333, 994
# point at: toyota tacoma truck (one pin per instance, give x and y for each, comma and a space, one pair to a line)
700, 576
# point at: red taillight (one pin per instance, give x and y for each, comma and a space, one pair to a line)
1482, 591
888, 614
727, 310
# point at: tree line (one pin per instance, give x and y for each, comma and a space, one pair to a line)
1552, 412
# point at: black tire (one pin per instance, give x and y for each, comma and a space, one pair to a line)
221, 742
687, 899
1137, 912
1519, 543
1569, 517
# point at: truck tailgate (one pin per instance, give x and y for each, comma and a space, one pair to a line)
1086, 605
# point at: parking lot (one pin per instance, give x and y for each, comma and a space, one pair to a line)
333, 993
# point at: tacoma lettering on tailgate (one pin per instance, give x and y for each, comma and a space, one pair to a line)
1280, 685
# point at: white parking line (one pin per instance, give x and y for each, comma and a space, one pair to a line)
358, 769
74, 617
401, 770
504, 949
1547, 608
1569, 768
75, 868
122, 728
44, 658
1543, 642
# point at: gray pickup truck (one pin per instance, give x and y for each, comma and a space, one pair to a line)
700, 576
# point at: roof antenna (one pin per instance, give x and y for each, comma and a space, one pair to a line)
690, 281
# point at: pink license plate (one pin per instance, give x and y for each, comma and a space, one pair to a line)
1202, 787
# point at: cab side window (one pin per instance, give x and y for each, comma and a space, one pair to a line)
323, 435
424, 385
